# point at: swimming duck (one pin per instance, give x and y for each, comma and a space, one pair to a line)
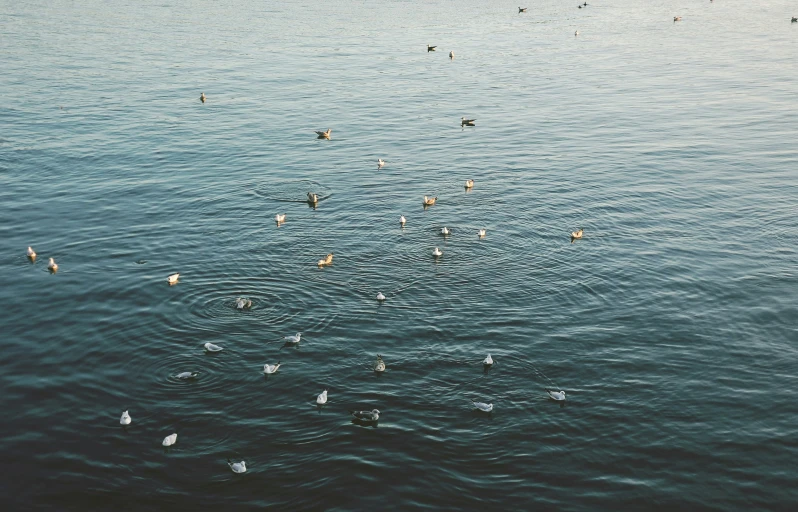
576, 235
322, 398
379, 366
237, 467
326, 261
187, 375
172, 279
437, 252
324, 135
271, 368
31, 254
481, 406
467, 122
488, 361
469, 184
279, 218
202, 97
380, 296
52, 266
402, 220
169, 440
367, 416
429, 201
556, 395
125, 419
431, 48
380, 163
313, 198
210, 347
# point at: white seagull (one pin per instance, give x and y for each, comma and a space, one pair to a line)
429, 201
577, 234
242, 303
402, 220
169, 440
271, 368
52, 266
172, 279
481, 233
488, 361
482, 406
576, 33
202, 97
372, 415
125, 419
187, 375
445, 231
437, 252
469, 183
210, 347
380, 163
379, 366
556, 395
31, 253
279, 218
325, 261
322, 398
451, 54
293, 339
237, 467
380, 296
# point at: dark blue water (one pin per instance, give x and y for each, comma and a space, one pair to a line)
672, 325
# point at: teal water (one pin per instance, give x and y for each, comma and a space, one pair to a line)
672, 325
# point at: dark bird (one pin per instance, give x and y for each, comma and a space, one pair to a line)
522, 9
431, 48
467, 122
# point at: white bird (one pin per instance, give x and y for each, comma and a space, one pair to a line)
380, 296
469, 183
313, 198
429, 201
202, 97
379, 366
451, 54
577, 234
237, 467
402, 220
437, 252
488, 361
372, 415
52, 266
576, 33
293, 339
445, 231
31, 253
556, 395
279, 218
187, 375
271, 368
322, 398
210, 347
481, 233
325, 261
380, 163
169, 440
482, 406
324, 135
242, 303
125, 419
172, 279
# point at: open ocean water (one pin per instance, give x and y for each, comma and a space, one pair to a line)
672, 325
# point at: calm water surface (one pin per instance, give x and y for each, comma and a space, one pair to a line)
672, 325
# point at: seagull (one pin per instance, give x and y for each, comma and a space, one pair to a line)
271, 368
402, 220
467, 122
576, 234
677, 18
237, 467
242, 303
210, 347
488, 361
202, 97
482, 406
169, 440
379, 366
279, 218
380, 296
437, 253
324, 135
313, 198
172, 279
429, 201
380, 163
294, 338
469, 183
522, 9
451, 54
31, 253
556, 395
372, 416
187, 375
445, 231
326, 261
125, 419
481, 233
576, 33
322, 398
431, 48
52, 266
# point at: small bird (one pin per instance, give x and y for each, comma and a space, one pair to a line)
187, 375
313, 198
522, 9
467, 122
242, 303
446, 231
325, 261
379, 366
210, 347
469, 184
794, 20
125, 419
576, 235
324, 135
481, 233
202, 97
482, 406
31, 254
172, 279
488, 361
271, 368
580, 6
293, 339
380, 296
429, 201
451, 54
431, 48
369, 416
169, 440
380, 163
237, 467
402, 220
576, 33
52, 266
437, 252
677, 18
556, 395
279, 218
322, 398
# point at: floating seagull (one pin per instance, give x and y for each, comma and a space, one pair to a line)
52, 266
481, 233
379, 366
402, 220
202, 97
522, 9
370, 416
431, 48
556, 395
210, 347
446, 231
125, 419
172, 279
169, 440
187, 375
467, 122
380, 296
451, 54
237, 467
576, 33
429, 201
677, 18
437, 252
313, 198
469, 184
326, 261
322, 398
279, 218
271, 368
31, 253
482, 406
488, 361
324, 135
242, 303
380, 163
576, 234
293, 339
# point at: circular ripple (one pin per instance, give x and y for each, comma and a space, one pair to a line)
292, 191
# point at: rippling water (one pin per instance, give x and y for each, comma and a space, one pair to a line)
672, 325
